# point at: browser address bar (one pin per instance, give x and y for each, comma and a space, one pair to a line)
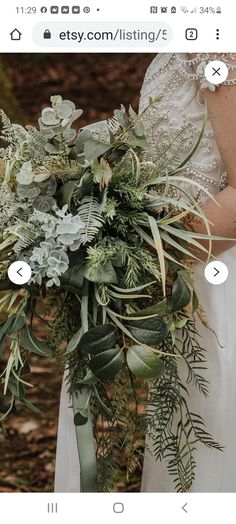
102, 34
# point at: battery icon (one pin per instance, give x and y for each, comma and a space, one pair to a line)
219, 10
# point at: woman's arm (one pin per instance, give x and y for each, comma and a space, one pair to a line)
222, 111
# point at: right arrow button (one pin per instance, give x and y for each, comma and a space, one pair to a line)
216, 272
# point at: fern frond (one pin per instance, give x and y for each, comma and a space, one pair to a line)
174, 429
168, 158
90, 213
113, 125
7, 128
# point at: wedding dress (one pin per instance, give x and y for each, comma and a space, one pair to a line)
176, 79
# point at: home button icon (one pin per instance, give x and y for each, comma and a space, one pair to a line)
16, 35
118, 507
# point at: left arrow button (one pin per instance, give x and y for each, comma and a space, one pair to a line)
19, 272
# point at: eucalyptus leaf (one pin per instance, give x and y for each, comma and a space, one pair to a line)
181, 295
144, 363
149, 331
82, 137
100, 338
93, 149
51, 148
63, 109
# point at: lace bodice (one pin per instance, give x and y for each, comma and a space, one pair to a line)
180, 82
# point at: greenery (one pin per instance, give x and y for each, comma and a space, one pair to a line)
109, 248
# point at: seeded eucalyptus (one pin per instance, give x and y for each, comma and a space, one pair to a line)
109, 249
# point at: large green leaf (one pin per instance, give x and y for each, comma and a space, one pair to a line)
74, 341
144, 363
181, 295
82, 137
88, 380
12, 324
93, 149
100, 338
66, 192
31, 343
107, 364
104, 274
73, 278
149, 331
156, 309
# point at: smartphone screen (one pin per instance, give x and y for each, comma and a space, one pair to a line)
117, 260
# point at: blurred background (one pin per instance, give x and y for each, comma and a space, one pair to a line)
98, 84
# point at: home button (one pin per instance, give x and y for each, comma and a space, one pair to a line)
118, 507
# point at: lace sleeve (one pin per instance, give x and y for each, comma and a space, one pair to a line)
194, 68
228, 58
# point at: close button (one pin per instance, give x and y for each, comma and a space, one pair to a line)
216, 72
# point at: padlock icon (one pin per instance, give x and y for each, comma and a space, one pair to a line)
47, 34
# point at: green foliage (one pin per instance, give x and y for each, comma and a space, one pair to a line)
90, 214
32, 344
178, 431
149, 331
107, 364
181, 295
100, 338
144, 363
94, 215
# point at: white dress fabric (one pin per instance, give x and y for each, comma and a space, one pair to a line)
176, 79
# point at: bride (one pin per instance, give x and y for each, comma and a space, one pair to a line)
179, 80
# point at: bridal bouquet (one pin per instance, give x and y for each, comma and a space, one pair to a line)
109, 246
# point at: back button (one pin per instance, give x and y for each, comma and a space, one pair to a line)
19, 272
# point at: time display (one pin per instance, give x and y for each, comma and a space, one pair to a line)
30, 10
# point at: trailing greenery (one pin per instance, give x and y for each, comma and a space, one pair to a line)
109, 247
